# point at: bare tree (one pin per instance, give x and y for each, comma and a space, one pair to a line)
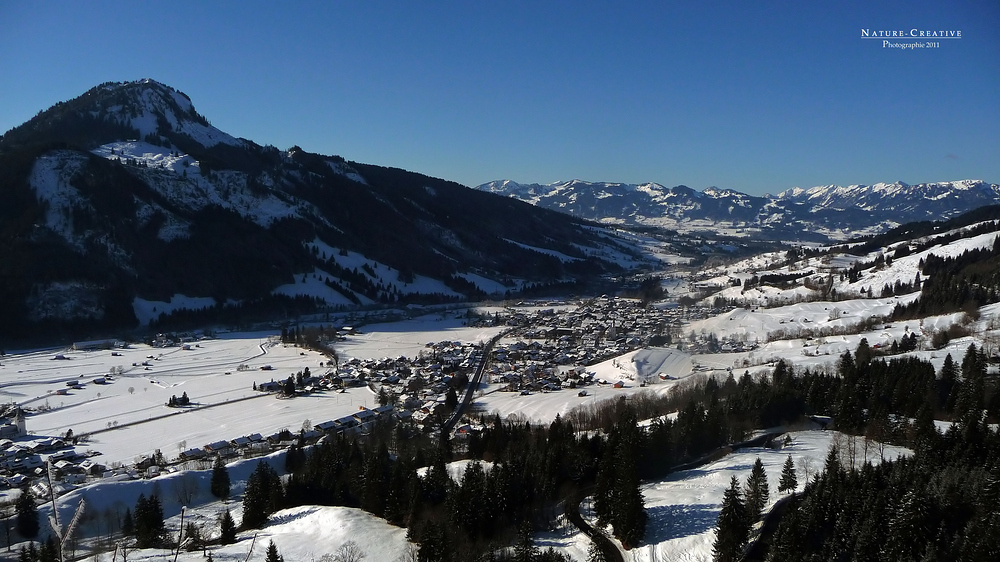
111, 521
185, 488
806, 467
350, 552
852, 451
411, 554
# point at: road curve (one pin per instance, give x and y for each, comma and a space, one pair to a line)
608, 548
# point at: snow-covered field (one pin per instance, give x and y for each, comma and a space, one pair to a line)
209, 374
684, 507
410, 337
301, 534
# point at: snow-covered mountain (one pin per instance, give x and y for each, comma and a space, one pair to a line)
125, 202
897, 197
832, 210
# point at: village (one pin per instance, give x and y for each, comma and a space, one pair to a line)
544, 348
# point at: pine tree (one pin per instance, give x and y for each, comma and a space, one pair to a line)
433, 544
971, 391
272, 553
946, 384
908, 533
29, 554
149, 528
26, 522
192, 536
263, 496
295, 458
48, 552
374, 482
228, 527
757, 492
733, 531
831, 467
525, 550
128, 524
630, 520
617, 497
788, 480
220, 479
594, 553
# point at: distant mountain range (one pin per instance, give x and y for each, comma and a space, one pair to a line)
829, 211
125, 203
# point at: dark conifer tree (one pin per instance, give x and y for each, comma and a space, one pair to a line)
433, 544
26, 521
831, 467
295, 459
525, 549
630, 524
946, 384
262, 497
732, 531
618, 500
272, 553
220, 485
148, 515
48, 551
228, 528
908, 531
788, 482
128, 523
374, 480
29, 553
757, 491
594, 553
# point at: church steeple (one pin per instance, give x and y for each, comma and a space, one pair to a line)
19, 421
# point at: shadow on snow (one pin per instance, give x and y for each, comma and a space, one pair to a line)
668, 522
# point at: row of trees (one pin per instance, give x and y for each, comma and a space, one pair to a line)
743, 507
965, 282
927, 507
532, 467
940, 504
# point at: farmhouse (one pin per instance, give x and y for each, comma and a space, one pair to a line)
327, 426
222, 448
193, 454
270, 386
364, 415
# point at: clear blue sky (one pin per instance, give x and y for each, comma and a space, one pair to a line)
754, 96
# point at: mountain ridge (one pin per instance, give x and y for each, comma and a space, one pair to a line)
823, 209
126, 195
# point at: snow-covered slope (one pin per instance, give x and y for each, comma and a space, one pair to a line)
126, 194
829, 210
154, 107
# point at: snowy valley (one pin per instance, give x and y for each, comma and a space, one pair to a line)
551, 361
